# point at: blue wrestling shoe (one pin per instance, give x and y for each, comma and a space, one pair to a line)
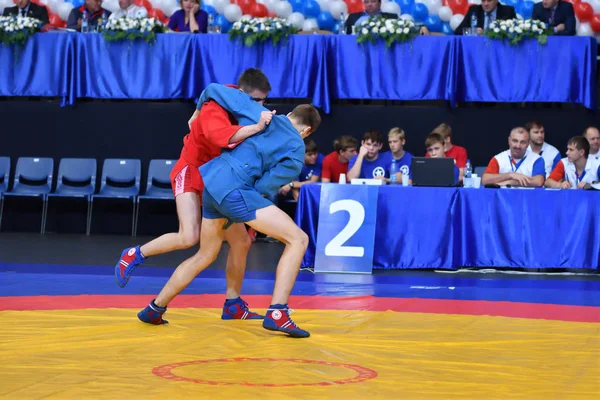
130, 259
238, 309
152, 314
278, 319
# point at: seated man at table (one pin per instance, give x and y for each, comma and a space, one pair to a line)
576, 169
593, 136
486, 13
434, 145
537, 145
372, 8
369, 163
458, 153
558, 14
128, 9
25, 8
95, 12
336, 162
516, 166
311, 171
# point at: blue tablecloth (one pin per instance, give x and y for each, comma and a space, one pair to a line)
450, 228
317, 67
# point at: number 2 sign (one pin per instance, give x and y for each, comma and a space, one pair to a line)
346, 230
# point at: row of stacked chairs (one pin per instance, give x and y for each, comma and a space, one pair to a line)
77, 178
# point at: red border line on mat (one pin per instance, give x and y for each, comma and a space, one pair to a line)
557, 312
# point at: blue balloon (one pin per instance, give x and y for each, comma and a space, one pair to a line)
433, 23
419, 12
221, 21
447, 29
512, 3
297, 5
406, 6
311, 9
210, 10
525, 9
326, 21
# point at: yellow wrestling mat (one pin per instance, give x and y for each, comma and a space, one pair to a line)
108, 354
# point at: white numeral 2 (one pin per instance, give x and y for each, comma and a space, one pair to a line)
336, 247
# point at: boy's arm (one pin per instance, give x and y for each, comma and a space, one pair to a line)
285, 171
218, 129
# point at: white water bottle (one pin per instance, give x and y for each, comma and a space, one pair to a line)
468, 180
85, 27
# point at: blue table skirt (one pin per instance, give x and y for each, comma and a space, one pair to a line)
315, 67
448, 228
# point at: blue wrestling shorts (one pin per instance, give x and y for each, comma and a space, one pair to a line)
233, 208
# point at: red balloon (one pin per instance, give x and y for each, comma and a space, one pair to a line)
573, 1
245, 5
56, 21
259, 10
458, 6
584, 11
355, 6
595, 23
156, 13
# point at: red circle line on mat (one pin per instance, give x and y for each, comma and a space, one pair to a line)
364, 374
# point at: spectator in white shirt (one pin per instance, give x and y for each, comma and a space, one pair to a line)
130, 10
537, 145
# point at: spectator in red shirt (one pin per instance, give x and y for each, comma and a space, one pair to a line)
452, 151
336, 163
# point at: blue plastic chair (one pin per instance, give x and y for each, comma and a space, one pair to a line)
4, 176
158, 173
33, 178
76, 179
120, 180
480, 170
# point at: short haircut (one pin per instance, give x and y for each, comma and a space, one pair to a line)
432, 139
518, 129
373, 135
588, 128
397, 132
533, 124
254, 79
444, 130
307, 114
580, 143
345, 143
310, 145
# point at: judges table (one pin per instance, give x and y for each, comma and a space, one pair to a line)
318, 67
448, 228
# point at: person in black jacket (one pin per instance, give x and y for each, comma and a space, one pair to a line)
486, 13
558, 14
372, 8
26, 8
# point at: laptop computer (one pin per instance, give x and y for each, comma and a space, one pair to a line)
432, 171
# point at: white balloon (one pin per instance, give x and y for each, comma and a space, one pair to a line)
271, 5
337, 7
391, 7
433, 6
283, 9
54, 5
407, 17
171, 9
64, 10
296, 19
310, 24
456, 20
220, 5
207, 2
445, 13
324, 4
595, 5
233, 12
585, 30
111, 5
